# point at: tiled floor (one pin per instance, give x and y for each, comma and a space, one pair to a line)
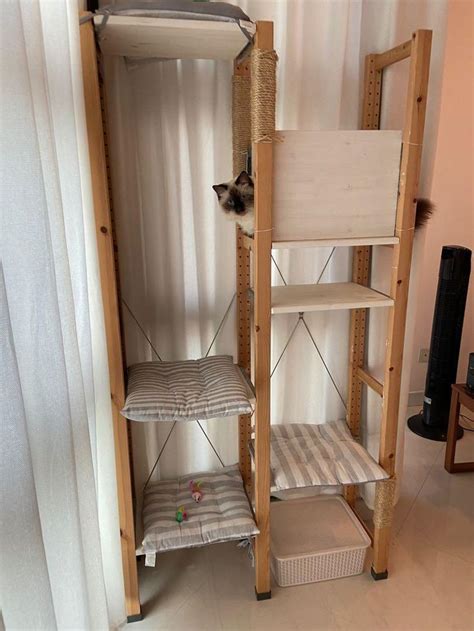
431, 582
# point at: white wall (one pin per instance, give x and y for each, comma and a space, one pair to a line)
451, 187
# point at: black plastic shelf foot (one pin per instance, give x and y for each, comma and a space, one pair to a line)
263, 595
136, 617
378, 576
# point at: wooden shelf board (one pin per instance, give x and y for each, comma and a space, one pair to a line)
339, 243
326, 297
335, 184
132, 36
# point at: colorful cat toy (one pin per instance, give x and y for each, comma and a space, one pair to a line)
181, 514
196, 492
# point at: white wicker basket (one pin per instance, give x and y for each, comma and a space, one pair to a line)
315, 539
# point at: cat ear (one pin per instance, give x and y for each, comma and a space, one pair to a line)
244, 178
220, 189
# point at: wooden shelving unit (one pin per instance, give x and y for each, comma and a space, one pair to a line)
340, 189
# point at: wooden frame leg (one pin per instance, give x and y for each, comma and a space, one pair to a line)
379, 567
263, 70
452, 431
350, 493
241, 140
263, 165
105, 248
459, 397
243, 321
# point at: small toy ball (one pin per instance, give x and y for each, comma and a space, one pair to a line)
181, 514
196, 492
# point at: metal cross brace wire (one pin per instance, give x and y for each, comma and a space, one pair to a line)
301, 319
219, 328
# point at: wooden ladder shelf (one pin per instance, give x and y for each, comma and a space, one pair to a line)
381, 185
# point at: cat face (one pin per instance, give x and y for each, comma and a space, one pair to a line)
236, 197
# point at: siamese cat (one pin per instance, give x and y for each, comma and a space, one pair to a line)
236, 200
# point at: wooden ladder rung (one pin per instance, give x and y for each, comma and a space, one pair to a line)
392, 56
370, 381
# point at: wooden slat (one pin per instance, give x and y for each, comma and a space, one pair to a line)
241, 138
360, 275
409, 175
263, 172
361, 270
401, 262
360, 519
133, 36
392, 56
451, 438
326, 297
247, 242
336, 243
111, 311
372, 94
370, 381
335, 184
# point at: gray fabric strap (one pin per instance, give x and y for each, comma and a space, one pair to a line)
86, 18
100, 27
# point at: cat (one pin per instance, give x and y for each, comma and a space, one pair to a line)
424, 209
236, 198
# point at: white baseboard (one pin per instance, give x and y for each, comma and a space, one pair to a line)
415, 398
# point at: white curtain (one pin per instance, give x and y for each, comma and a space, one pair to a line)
59, 534
170, 141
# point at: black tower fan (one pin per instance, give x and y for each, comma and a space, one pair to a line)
453, 282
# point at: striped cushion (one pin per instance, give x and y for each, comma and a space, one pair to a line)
319, 455
223, 513
186, 390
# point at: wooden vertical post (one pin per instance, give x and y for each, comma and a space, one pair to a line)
95, 134
361, 272
240, 146
263, 171
409, 175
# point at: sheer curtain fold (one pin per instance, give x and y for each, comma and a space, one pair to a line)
54, 337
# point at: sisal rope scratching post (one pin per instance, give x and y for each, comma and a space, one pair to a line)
262, 94
240, 122
384, 498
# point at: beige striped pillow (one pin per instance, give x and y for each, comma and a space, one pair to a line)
188, 390
304, 455
223, 514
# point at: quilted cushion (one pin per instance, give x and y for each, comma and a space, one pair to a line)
305, 454
223, 513
186, 390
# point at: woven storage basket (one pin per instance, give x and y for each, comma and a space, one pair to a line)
315, 539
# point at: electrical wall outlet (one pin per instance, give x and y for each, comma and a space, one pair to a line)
423, 357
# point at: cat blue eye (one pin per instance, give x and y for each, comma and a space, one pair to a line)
230, 203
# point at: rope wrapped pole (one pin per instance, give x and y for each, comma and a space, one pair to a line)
383, 517
384, 503
240, 117
263, 94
